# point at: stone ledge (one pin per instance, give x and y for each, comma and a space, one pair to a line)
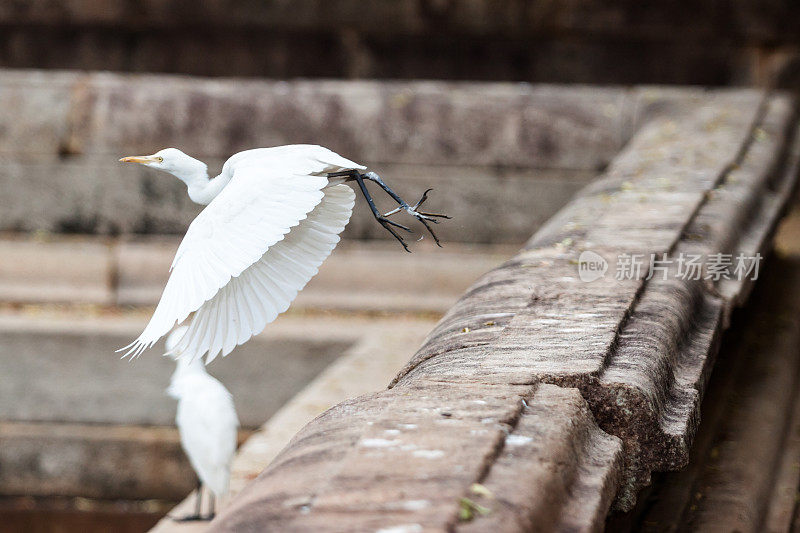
382, 461
742, 473
719, 183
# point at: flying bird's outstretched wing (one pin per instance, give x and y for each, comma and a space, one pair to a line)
244, 306
250, 251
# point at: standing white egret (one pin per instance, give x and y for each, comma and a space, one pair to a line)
273, 215
206, 421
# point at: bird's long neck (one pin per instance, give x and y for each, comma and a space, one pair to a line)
201, 189
185, 368
203, 192
190, 365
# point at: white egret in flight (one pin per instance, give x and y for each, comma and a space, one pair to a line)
207, 423
273, 215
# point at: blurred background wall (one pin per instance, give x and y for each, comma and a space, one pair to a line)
713, 42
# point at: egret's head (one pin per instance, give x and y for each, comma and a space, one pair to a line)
169, 160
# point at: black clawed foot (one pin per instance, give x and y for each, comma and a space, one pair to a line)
383, 220
422, 216
385, 223
422, 200
428, 216
430, 230
414, 212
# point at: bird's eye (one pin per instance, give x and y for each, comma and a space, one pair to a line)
160, 159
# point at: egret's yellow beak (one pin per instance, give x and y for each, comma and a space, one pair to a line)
143, 159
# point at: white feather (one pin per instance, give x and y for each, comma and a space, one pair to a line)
268, 287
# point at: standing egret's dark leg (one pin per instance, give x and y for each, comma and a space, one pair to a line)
198, 506
403, 205
211, 505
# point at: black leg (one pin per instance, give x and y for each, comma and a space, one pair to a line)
386, 223
211, 505
423, 217
198, 505
403, 206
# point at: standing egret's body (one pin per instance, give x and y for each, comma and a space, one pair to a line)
273, 215
206, 421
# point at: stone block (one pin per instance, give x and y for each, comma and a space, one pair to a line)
383, 461
69, 270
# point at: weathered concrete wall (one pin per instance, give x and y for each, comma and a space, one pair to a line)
501, 158
591, 41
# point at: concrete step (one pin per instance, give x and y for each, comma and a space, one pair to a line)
359, 276
109, 462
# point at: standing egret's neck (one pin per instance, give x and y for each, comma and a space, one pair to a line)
189, 365
194, 174
185, 368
